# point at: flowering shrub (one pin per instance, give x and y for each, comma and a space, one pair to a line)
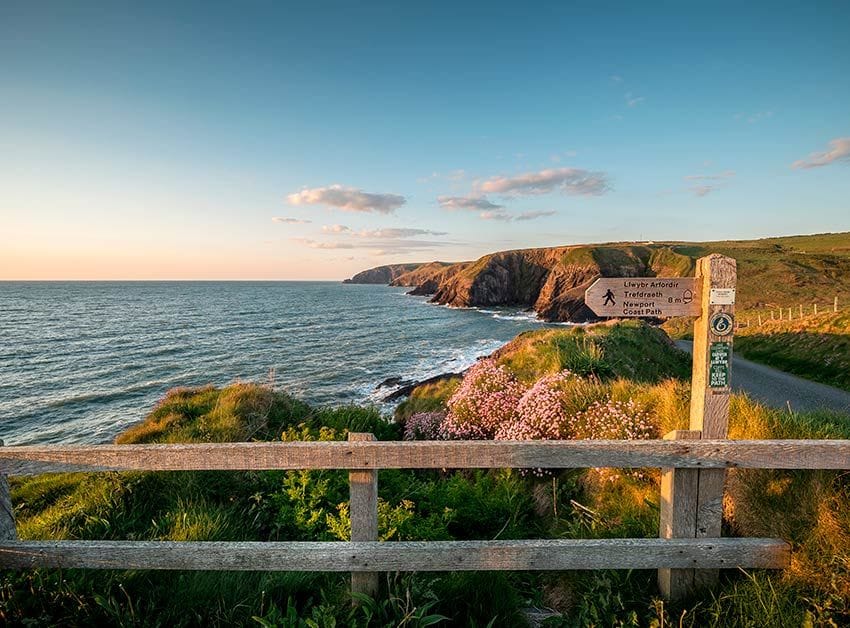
424, 426
614, 420
540, 413
487, 398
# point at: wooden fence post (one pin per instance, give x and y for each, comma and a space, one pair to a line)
835, 304
816, 309
711, 386
8, 532
678, 517
363, 511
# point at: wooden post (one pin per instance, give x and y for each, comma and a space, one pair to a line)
363, 488
8, 532
711, 386
789, 313
801, 310
678, 518
759, 319
835, 304
816, 309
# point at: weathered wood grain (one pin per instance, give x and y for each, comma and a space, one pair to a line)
644, 296
678, 516
704, 454
372, 556
8, 530
363, 512
710, 405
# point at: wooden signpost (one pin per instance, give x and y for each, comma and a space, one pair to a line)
691, 499
644, 296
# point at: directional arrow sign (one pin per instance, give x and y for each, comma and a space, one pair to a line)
644, 296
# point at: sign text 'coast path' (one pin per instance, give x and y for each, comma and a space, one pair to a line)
644, 296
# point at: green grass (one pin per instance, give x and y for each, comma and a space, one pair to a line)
815, 347
629, 349
428, 397
255, 506
628, 361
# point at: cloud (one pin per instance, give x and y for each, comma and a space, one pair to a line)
616, 78
703, 190
348, 199
533, 215
497, 214
726, 174
840, 151
376, 247
380, 233
454, 176
335, 229
290, 221
708, 183
632, 100
313, 244
574, 181
398, 233
473, 203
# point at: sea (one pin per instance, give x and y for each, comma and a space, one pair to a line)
82, 361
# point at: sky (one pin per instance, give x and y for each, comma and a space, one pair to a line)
269, 140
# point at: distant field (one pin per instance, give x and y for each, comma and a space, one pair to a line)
786, 272
814, 347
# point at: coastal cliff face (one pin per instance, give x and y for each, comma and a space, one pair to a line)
552, 281
428, 278
382, 274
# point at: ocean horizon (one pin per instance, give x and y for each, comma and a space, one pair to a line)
82, 360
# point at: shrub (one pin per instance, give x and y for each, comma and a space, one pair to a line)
487, 397
540, 412
612, 420
424, 426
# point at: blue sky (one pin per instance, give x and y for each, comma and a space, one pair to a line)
147, 140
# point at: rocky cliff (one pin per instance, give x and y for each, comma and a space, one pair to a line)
428, 278
552, 281
382, 274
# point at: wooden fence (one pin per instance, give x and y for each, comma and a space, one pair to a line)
761, 316
681, 454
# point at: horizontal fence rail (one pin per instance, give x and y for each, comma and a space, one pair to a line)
694, 454
678, 560
373, 556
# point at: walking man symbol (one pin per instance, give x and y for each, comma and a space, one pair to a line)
609, 298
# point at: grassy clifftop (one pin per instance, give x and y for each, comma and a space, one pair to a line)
771, 272
625, 379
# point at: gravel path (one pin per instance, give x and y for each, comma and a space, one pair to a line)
778, 389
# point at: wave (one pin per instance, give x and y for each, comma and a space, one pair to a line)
454, 361
105, 396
